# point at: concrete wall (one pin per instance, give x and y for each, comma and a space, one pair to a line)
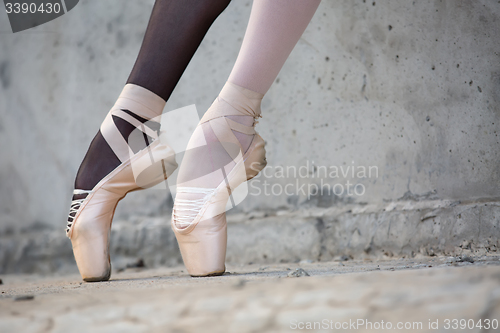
411, 88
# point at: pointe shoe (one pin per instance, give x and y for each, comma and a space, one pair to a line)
90, 218
200, 225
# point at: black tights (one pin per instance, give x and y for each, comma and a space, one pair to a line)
175, 30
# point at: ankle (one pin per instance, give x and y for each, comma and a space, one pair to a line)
234, 100
244, 120
135, 107
140, 101
244, 139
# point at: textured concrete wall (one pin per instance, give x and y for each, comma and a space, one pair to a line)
409, 87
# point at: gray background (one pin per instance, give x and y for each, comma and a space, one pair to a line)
411, 87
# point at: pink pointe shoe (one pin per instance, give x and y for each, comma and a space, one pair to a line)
90, 218
198, 217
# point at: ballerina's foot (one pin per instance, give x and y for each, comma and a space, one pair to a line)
223, 152
125, 155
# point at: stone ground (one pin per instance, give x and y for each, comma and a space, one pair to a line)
376, 295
